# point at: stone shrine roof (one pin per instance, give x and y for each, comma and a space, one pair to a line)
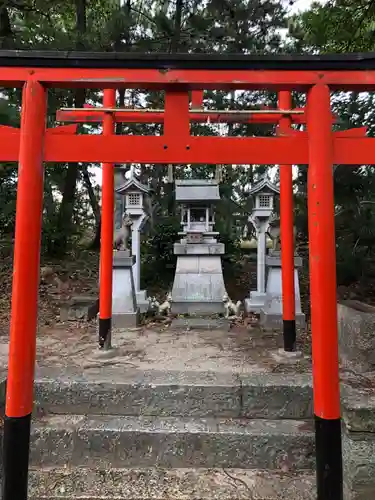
197, 190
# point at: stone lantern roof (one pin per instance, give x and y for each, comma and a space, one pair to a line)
265, 185
133, 184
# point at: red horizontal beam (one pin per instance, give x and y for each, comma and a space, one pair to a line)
188, 79
81, 116
215, 150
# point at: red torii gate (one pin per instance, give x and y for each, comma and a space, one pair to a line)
319, 147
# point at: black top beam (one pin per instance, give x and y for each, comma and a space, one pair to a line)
134, 60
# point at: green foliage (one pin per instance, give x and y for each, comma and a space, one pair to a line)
336, 26
344, 26
225, 26
158, 260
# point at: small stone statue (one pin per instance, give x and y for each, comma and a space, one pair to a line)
123, 234
165, 307
274, 232
231, 309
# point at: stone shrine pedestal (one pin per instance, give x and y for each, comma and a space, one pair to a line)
125, 312
198, 287
271, 316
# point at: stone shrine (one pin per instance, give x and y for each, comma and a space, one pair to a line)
198, 287
264, 193
137, 204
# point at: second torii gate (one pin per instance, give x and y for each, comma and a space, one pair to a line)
284, 117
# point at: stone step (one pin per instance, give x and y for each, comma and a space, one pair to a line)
109, 441
169, 484
200, 394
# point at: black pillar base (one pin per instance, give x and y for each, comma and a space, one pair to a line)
328, 459
105, 326
289, 334
16, 443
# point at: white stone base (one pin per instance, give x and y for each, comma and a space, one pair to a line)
198, 286
255, 303
271, 315
124, 304
282, 356
142, 301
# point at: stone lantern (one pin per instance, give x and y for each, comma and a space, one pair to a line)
264, 193
198, 287
137, 203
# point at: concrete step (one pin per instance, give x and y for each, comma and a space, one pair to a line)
199, 394
112, 441
171, 484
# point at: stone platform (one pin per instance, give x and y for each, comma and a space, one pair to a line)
169, 414
173, 415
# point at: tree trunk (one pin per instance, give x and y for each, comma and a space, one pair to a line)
90, 191
65, 219
6, 33
175, 41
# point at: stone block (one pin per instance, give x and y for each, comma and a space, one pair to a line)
142, 301
269, 396
272, 321
197, 308
274, 260
188, 265
255, 303
125, 320
209, 265
191, 394
137, 392
359, 466
356, 322
122, 258
358, 406
80, 307
111, 442
199, 249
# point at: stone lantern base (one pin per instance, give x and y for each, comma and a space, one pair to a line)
271, 316
125, 312
256, 302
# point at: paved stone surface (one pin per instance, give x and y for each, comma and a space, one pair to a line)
239, 351
104, 441
202, 323
115, 392
172, 484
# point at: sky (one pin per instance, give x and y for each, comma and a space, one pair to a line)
301, 5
